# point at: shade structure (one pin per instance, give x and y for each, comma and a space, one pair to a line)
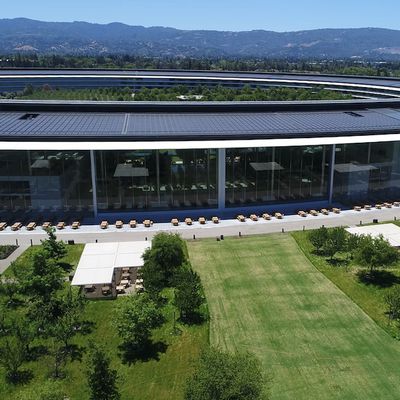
390, 232
98, 261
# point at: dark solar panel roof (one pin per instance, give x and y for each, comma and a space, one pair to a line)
190, 125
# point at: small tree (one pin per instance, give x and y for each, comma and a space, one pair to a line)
42, 278
188, 294
392, 299
222, 376
102, 379
166, 255
153, 278
55, 248
135, 317
335, 242
374, 253
12, 356
318, 237
10, 289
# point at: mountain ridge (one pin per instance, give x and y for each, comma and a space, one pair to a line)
80, 37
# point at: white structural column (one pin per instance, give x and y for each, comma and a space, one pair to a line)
221, 178
331, 173
94, 186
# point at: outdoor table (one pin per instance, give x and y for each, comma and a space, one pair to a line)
124, 282
119, 224
89, 288
241, 218
174, 222
266, 216
202, 220
16, 226
254, 217
106, 289
46, 225
126, 275
31, 226
215, 220
75, 225
132, 223
61, 225
3, 225
278, 215
147, 223
302, 214
139, 281
120, 289
325, 211
188, 221
314, 213
125, 269
104, 225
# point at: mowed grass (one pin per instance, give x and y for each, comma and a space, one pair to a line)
265, 297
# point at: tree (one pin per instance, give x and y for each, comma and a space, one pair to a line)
373, 253
101, 378
12, 356
153, 277
392, 299
55, 248
336, 241
42, 278
164, 257
318, 237
10, 289
135, 317
63, 325
188, 293
223, 376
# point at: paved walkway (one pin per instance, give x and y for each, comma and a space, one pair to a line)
92, 233
4, 264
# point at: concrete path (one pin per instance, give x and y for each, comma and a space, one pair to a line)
4, 264
92, 233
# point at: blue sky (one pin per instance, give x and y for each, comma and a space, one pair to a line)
235, 15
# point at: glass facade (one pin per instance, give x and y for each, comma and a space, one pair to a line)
47, 181
367, 171
276, 175
60, 182
156, 179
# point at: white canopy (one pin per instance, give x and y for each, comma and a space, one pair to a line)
98, 261
390, 232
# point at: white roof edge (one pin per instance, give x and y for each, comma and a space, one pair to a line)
197, 144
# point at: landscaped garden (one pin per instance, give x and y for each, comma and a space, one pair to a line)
43, 355
265, 296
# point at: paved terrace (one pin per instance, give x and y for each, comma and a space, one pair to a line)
93, 233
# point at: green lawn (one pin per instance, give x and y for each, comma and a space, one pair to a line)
369, 297
161, 378
266, 297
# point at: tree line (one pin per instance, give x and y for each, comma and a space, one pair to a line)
249, 64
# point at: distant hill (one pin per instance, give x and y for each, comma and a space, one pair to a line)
25, 35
